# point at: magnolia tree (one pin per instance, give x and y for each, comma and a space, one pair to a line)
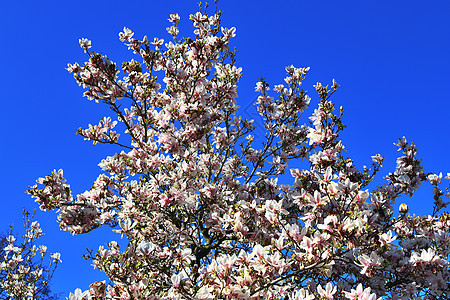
25, 267
199, 200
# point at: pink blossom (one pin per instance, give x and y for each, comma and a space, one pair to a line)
329, 291
126, 35
85, 44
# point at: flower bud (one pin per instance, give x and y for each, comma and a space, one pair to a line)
403, 208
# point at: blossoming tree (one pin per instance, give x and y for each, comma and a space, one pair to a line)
199, 200
24, 273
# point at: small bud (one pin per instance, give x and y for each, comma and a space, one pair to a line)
335, 86
403, 208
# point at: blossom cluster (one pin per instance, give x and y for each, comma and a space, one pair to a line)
199, 200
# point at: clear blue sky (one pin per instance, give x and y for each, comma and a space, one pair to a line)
391, 59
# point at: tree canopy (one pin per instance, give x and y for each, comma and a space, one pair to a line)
200, 199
